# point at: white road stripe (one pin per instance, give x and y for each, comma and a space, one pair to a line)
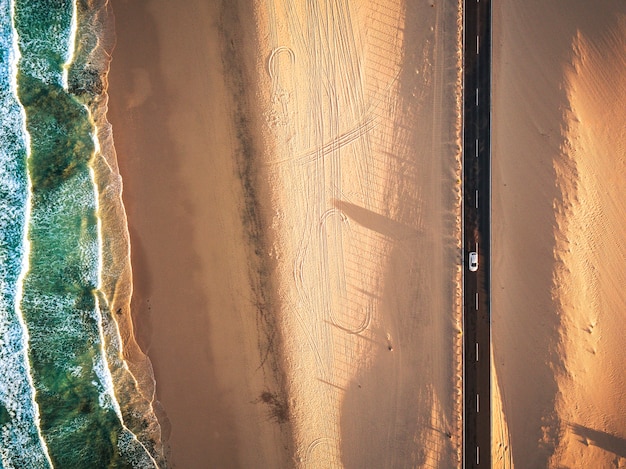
477, 455
476, 148
476, 351
476, 96
476, 198
477, 403
477, 45
476, 301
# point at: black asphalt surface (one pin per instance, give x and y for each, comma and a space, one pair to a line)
476, 233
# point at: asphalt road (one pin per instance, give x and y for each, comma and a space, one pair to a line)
476, 233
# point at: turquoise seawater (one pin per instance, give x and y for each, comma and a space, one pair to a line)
57, 402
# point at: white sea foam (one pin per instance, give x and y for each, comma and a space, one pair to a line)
21, 439
71, 47
107, 394
134, 452
40, 43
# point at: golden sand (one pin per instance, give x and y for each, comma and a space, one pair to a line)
360, 105
591, 271
558, 233
291, 177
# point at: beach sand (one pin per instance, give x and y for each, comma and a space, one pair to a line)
194, 304
361, 111
559, 167
291, 177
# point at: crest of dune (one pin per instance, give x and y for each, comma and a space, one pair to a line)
590, 272
558, 234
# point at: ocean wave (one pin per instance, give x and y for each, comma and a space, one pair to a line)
60, 350
45, 33
21, 444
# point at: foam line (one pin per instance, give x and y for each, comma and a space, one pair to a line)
71, 45
14, 55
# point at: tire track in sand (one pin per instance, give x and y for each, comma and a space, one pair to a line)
326, 151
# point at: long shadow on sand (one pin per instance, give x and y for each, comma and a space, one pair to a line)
399, 410
606, 441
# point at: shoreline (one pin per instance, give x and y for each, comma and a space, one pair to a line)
116, 271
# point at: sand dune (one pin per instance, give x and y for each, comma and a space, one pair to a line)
558, 242
592, 273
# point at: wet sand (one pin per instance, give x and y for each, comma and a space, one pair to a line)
558, 185
292, 190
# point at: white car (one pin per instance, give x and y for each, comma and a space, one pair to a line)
473, 261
